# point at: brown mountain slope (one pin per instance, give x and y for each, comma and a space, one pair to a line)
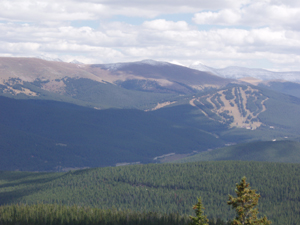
104, 85
165, 74
30, 69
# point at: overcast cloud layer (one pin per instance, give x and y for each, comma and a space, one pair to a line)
217, 33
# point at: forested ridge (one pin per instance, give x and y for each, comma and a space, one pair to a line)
164, 188
269, 151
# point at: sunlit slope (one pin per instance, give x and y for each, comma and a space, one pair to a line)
163, 187
156, 76
250, 107
237, 106
140, 85
268, 151
239, 113
85, 92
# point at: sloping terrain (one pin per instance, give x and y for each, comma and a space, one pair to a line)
238, 113
239, 106
184, 110
268, 151
150, 75
40, 79
47, 135
285, 87
250, 107
139, 85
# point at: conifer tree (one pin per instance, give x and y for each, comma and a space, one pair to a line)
244, 204
199, 219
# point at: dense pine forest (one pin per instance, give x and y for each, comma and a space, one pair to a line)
52, 214
162, 188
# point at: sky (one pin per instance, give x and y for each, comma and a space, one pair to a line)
216, 33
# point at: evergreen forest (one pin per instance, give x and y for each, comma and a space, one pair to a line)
162, 188
52, 214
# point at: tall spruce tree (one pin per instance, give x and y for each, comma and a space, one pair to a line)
199, 219
244, 204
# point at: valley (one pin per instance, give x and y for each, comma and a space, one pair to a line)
109, 114
149, 112
145, 136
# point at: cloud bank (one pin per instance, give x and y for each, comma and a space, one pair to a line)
217, 33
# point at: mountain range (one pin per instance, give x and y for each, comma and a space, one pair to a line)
56, 115
236, 72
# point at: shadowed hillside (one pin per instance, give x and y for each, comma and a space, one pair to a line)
269, 151
47, 135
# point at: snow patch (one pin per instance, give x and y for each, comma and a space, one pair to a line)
199, 66
76, 62
49, 59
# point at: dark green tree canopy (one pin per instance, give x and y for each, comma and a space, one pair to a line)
245, 204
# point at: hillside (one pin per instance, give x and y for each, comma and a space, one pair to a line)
247, 106
140, 85
285, 87
51, 135
47, 135
267, 151
138, 112
239, 113
165, 77
162, 187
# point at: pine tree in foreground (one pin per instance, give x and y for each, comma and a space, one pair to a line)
244, 204
199, 219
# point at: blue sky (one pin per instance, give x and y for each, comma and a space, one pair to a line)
216, 33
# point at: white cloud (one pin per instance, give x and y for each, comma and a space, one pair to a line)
157, 39
68, 10
164, 25
272, 33
256, 14
223, 17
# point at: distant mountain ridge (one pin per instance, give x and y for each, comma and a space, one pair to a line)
236, 72
139, 85
78, 115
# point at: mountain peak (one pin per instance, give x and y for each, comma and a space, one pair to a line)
153, 62
76, 62
117, 66
201, 67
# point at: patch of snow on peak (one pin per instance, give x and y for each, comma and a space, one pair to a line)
49, 59
199, 66
114, 66
76, 62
